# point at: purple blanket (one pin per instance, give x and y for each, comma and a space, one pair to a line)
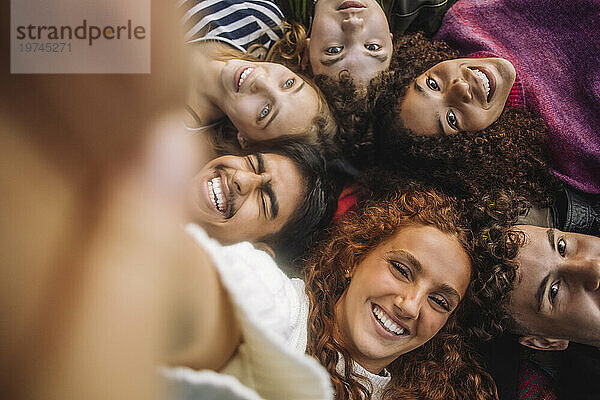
555, 48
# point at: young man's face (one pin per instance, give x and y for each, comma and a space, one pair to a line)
559, 291
350, 35
245, 198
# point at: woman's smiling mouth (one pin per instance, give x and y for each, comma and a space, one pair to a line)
487, 80
385, 321
240, 76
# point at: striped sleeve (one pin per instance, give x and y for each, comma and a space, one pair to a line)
238, 23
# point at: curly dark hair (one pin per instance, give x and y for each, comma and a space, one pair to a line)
509, 154
443, 368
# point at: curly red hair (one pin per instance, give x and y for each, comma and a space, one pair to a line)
443, 368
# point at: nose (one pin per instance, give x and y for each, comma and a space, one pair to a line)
584, 264
261, 82
408, 304
460, 90
245, 182
587, 271
352, 23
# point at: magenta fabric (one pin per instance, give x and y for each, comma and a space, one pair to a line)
555, 48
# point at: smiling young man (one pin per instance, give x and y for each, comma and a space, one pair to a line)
349, 35
276, 198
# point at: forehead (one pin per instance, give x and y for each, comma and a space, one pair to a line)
441, 256
535, 257
419, 111
535, 261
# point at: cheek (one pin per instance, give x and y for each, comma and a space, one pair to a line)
432, 324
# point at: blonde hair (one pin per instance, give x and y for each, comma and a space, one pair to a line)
289, 49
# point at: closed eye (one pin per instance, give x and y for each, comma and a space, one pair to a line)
264, 204
403, 269
442, 302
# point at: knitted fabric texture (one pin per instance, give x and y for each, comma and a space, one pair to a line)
555, 48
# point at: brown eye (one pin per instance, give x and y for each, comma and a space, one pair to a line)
432, 84
334, 50
553, 292
401, 268
561, 246
372, 46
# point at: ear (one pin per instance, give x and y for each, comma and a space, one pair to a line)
392, 36
242, 140
544, 343
305, 57
264, 247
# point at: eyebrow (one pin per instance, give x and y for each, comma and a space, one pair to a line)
437, 114
550, 234
444, 288
273, 115
267, 188
299, 87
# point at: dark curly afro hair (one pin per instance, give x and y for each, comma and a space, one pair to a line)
509, 154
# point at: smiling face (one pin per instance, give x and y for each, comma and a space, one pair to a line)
559, 292
245, 198
349, 35
262, 99
466, 94
401, 295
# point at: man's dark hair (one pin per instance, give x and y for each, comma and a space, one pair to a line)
316, 208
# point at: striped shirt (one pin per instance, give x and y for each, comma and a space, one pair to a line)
239, 23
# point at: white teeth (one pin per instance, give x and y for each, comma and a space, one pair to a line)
244, 74
387, 323
216, 194
484, 79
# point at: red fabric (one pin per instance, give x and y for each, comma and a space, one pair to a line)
533, 383
346, 202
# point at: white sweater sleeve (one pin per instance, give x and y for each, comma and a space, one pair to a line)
272, 310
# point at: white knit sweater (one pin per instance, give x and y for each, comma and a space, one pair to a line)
273, 311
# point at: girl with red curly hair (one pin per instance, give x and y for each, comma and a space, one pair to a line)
381, 308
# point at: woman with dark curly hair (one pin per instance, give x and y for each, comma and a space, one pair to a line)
382, 308
428, 91
508, 154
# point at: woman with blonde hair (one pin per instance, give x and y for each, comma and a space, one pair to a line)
236, 98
